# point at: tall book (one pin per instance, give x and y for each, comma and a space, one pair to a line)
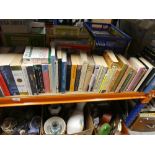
1, 92
69, 67
39, 77
100, 73
29, 70
84, 62
141, 70
78, 73
36, 55
46, 77
5, 69
73, 71
149, 68
112, 63
59, 58
131, 74
18, 74
63, 71
89, 73
53, 69
123, 65
3, 86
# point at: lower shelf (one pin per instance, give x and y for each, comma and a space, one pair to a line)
68, 98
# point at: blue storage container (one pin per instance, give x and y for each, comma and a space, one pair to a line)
107, 36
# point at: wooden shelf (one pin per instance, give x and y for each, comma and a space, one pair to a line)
71, 98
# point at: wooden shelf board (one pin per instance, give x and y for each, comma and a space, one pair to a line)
68, 98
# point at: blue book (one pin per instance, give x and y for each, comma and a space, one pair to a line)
150, 86
63, 72
9, 79
53, 70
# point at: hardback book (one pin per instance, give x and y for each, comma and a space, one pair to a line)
125, 79
123, 65
59, 58
53, 71
5, 69
46, 77
31, 77
36, 55
102, 65
84, 63
50, 76
149, 54
150, 86
18, 74
56, 76
39, 77
149, 68
141, 70
69, 67
63, 71
112, 63
73, 71
89, 73
1, 92
3, 86
78, 73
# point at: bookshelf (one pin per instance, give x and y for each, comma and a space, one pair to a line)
66, 98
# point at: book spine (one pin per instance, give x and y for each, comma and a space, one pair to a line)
59, 74
26, 80
90, 69
135, 80
97, 78
93, 78
101, 78
45, 71
53, 74
73, 76
32, 79
63, 78
128, 80
39, 79
142, 80
116, 74
150, 86
82, 77
78, 73
120, 77
8, 77
19, 79
123, 79
68, 77
56, 77
50, 76
4, 86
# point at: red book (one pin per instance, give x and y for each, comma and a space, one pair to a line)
4, 86
46, 79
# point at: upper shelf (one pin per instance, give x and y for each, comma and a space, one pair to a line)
72, 98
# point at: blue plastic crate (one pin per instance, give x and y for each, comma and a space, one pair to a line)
107, 36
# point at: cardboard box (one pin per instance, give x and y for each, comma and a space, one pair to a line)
88, 129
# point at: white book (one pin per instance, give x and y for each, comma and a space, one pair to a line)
84, 61
149, 69
27, 55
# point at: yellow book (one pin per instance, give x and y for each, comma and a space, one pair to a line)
73, 71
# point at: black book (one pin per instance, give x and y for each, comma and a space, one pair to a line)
39, 78
149, 54
59, 58
69, 66
32, 79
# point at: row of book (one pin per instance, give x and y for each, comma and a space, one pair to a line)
44, 70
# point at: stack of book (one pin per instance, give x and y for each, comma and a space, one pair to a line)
43, 70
